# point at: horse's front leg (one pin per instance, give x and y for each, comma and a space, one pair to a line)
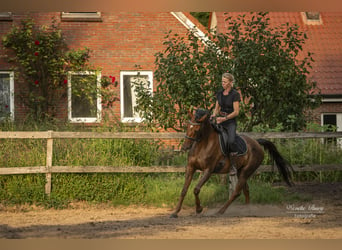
188, 178
206, 175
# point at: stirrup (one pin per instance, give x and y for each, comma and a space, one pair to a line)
232, 170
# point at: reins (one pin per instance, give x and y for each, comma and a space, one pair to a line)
194, 124
191, 138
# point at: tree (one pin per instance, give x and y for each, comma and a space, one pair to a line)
184, 72
42, 60
202, 17
269, 73
264, 60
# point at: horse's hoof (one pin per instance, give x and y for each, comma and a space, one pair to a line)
174, 216
219, 212
199, 210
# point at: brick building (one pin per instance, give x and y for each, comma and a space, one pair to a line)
118, 42
324, 31
121, 40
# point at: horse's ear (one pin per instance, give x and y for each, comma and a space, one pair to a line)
203, 117
190, 113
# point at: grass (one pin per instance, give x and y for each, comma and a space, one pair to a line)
157, 189
22, 152
309, 151
104, 152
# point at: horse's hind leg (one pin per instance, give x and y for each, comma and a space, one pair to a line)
206, 175
246, 192
241, 185
232, 186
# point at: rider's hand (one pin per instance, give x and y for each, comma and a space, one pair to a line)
220, 119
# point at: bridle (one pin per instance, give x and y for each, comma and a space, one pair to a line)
191, 138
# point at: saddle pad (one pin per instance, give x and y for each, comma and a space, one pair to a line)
240, 143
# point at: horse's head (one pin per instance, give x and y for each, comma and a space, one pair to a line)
194, 128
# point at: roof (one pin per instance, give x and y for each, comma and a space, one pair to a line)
324, 41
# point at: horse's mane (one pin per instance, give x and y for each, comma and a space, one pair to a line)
200, 113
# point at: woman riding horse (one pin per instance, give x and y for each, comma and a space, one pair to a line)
226, 110
202, 141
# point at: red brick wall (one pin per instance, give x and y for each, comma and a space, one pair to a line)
118, 43
327, 108
121, 41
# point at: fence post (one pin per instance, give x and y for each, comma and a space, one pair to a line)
49, 146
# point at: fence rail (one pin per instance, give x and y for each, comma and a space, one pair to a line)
151, 135
48, 169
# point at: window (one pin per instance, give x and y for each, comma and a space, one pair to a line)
84, 100
333, 121
330, 121
6, 16
6, 95
81, 16
312, 18
127, 93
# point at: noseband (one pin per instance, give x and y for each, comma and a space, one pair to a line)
193, 124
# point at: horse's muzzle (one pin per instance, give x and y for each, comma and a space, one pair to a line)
185, 147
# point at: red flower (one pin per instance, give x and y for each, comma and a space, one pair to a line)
6, 106
113, 78
36, 53
36, 42
36, 82
65, 81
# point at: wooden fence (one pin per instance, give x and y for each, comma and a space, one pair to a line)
49, 169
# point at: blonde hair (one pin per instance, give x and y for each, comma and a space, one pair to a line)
229, 77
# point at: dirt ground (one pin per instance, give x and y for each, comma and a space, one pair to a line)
320, 218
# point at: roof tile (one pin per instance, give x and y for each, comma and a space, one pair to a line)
325, 42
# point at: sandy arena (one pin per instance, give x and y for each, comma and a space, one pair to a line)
320, 218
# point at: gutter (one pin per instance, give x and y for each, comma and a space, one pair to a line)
191, 26
195, 30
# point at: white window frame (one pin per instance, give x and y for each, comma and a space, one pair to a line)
6, 16
98, 99
309, 21
338, 119
132, 73
81, 16
11, 76
338, 124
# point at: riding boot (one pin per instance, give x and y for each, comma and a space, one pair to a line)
233, 170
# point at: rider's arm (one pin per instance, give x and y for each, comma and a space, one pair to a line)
217, 109
235, 112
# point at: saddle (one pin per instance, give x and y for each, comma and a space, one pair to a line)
223, 139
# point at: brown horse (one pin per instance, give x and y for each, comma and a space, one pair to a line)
205, 155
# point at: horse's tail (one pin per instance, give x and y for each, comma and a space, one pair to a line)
282, 165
